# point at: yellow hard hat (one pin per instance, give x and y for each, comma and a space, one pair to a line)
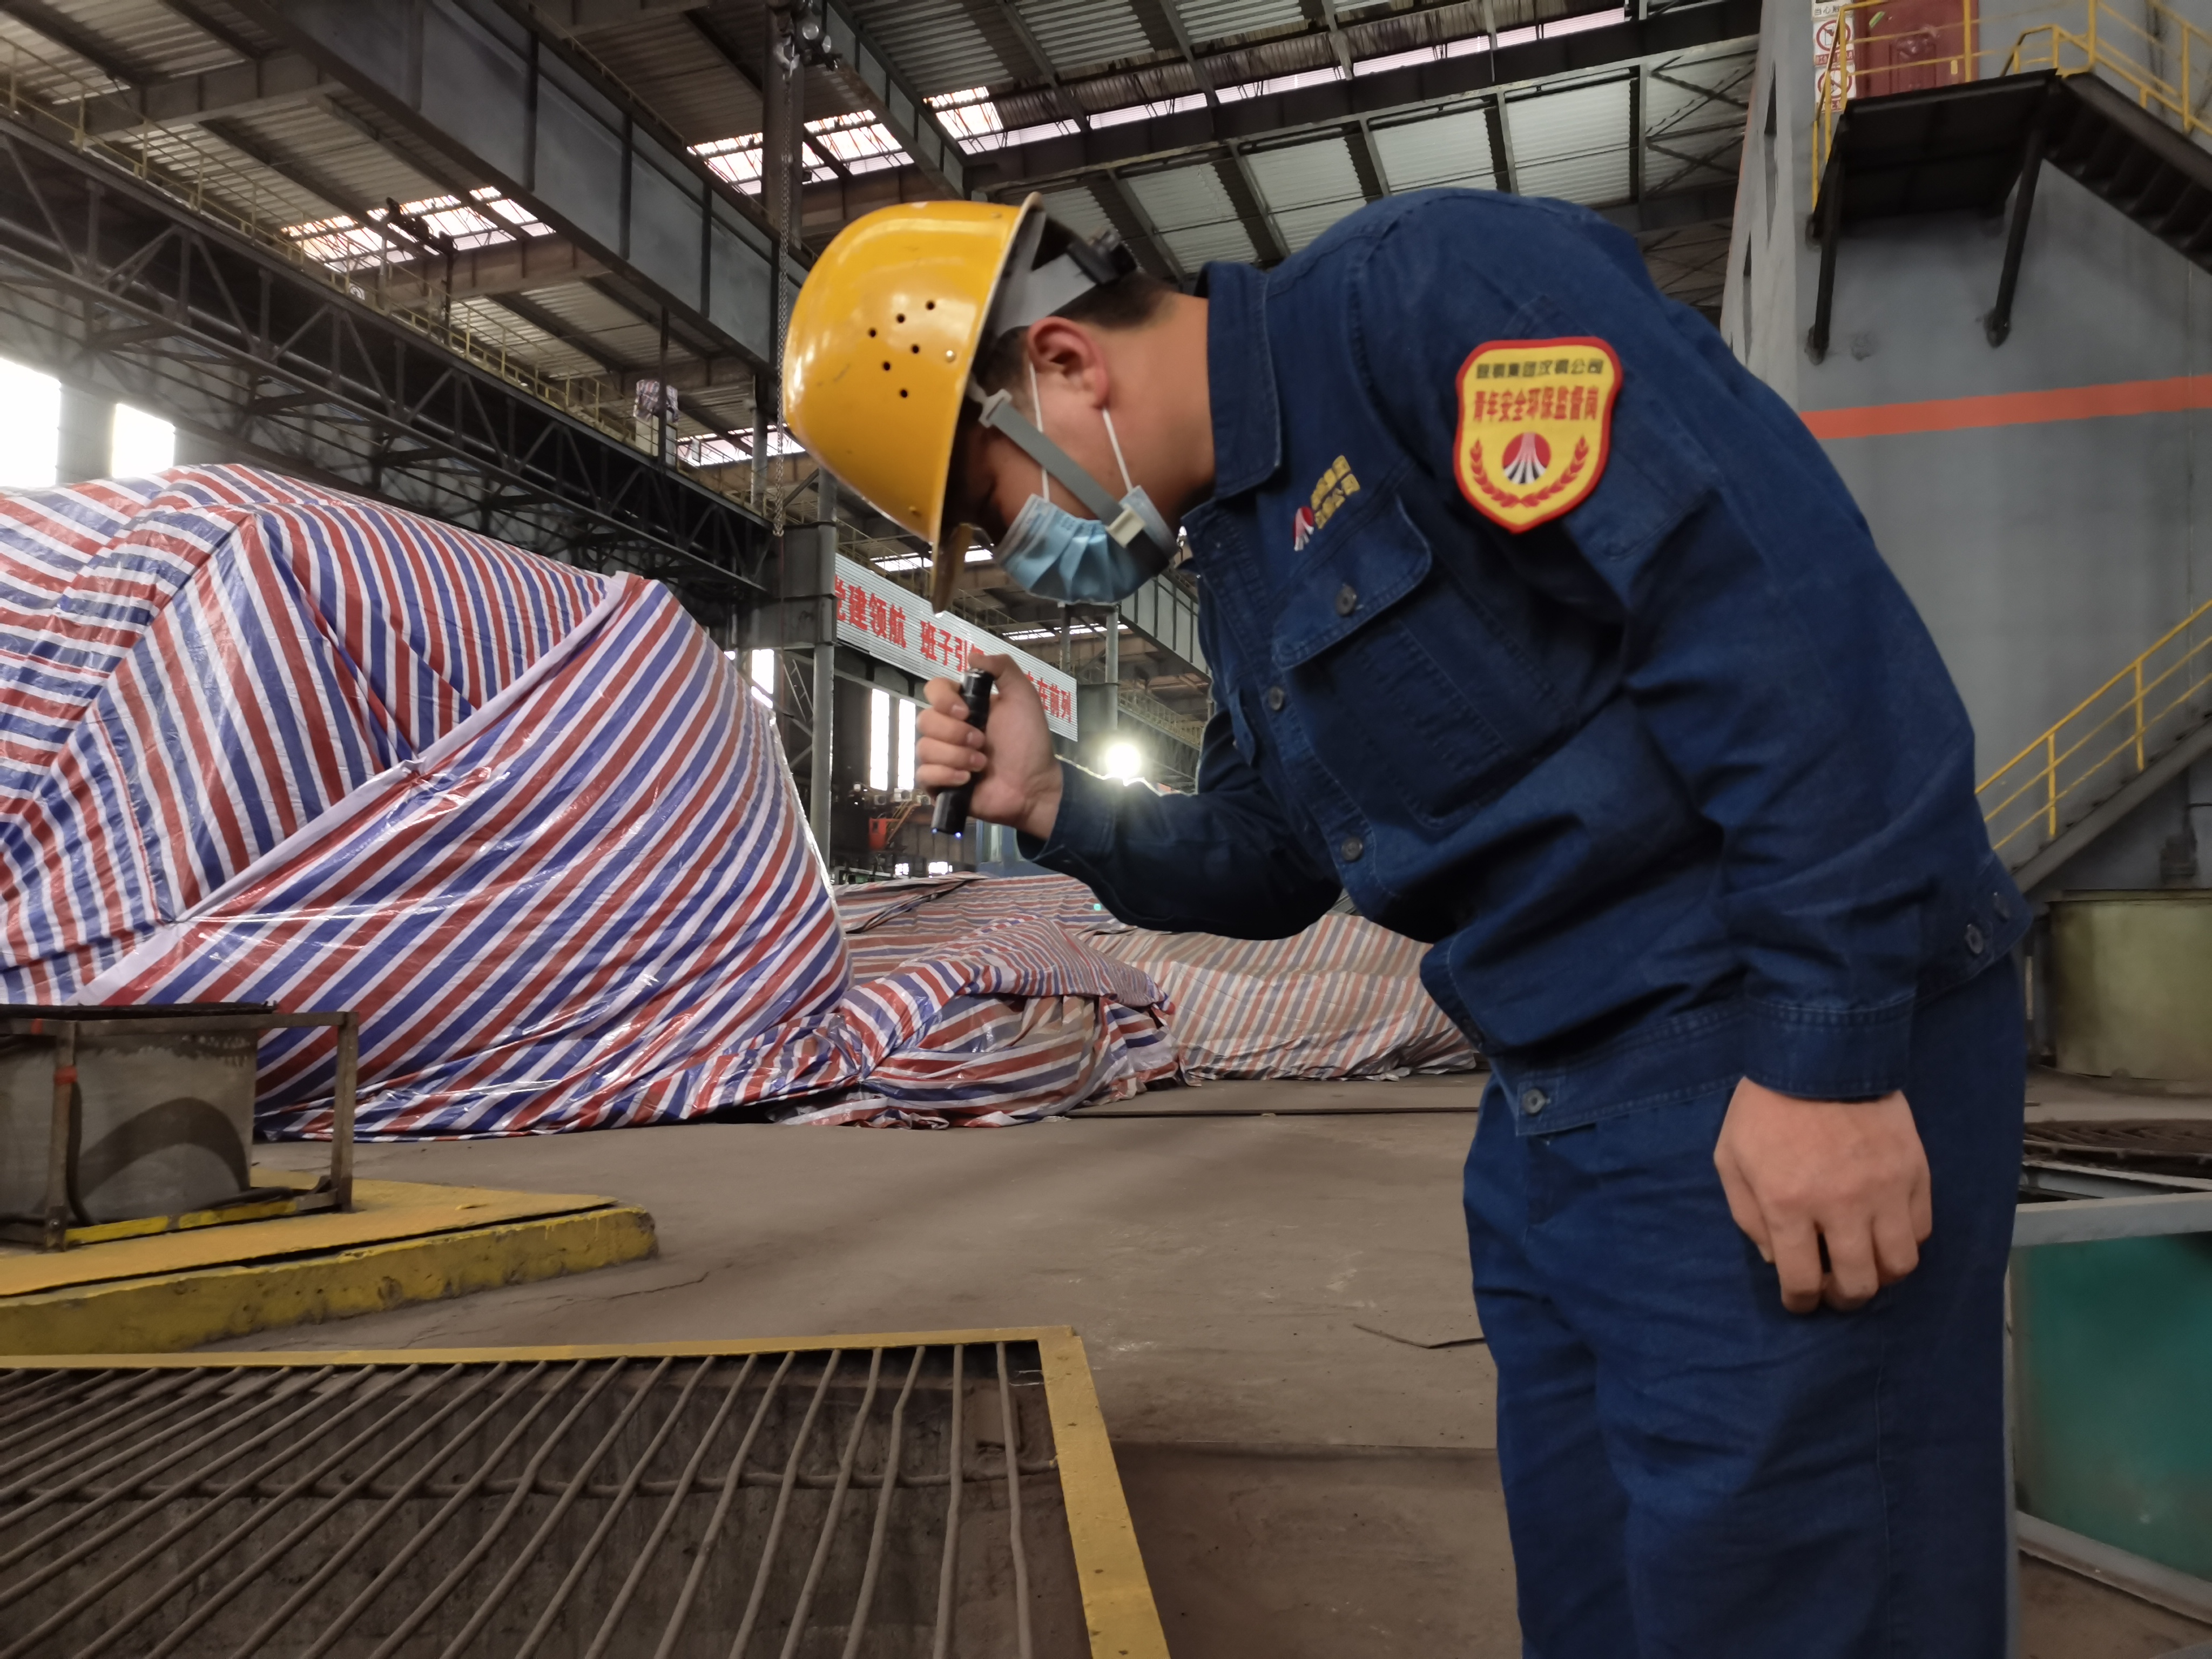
884, 337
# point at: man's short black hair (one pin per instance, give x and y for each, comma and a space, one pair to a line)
1129, 302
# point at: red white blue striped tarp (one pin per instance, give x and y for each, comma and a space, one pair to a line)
263, 742
1341, 999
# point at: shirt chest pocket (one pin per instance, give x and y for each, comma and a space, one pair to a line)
1409, 694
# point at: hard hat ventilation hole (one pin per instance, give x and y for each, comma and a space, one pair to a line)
887, 367
915, 349
929, 304
901, 318
901, 392
871, 334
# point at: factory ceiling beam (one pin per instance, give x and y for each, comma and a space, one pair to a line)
508, 105
113, 284
104, 54
1366, 165
1410, 91
443, 176
115, 65
247, 88
497, 269
215, 28
1711, 204
1163, 26
866, 72
1134, 226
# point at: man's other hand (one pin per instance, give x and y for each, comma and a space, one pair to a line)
1848, 1176
1016, 774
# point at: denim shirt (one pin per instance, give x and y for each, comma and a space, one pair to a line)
1676, 785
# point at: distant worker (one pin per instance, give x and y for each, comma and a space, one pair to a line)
1544, 630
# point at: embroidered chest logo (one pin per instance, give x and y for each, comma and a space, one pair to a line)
1535, 421
1337, 485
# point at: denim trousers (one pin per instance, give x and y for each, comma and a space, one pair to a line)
1689, 1469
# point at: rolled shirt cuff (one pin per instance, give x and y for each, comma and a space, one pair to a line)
1828, 1054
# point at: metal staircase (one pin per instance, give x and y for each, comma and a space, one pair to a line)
1903, 126
2116, 748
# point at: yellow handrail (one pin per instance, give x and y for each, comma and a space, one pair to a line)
2108, 737
2110, 40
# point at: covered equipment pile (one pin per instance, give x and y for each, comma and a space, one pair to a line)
265, 742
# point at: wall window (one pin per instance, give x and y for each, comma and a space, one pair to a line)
30, 427
142, 443
879, 740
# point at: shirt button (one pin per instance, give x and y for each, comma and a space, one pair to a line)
1347, 600
1974, 940
1352, 847
1534, 1101
1276, 699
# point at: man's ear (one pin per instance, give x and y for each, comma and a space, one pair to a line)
1070, 351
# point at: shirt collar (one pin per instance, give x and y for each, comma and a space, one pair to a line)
1247, 425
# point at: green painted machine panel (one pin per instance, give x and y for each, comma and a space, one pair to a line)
2112, 1393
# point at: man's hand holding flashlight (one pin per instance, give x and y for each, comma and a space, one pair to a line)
1017, 775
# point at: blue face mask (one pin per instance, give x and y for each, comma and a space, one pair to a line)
1057, 555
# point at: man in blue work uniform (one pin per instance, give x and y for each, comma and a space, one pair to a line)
1545, 631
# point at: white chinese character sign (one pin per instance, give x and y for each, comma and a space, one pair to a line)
877, 615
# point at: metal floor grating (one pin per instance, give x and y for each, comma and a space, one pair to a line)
887, 1497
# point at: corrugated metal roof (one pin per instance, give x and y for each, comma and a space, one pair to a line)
333, 151
1307, 189
1574, 145
664, 59
141, 38
1194, 214
192, 157
1447, 149
1210, 20
1298, 226
1599, 178
45, 70
1079, 210
1078, 33
1194, 247
1305, 174
935, 43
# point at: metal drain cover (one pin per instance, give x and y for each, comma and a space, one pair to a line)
916, 1495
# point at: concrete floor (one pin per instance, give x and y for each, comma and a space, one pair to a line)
1276, 1308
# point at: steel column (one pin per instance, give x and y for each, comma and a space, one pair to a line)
86, 448
819, 792
1998, 324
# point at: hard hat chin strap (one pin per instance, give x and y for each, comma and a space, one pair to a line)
1123, 522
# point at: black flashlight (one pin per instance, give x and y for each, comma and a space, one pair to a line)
948, 813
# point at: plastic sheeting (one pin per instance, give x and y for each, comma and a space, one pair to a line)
263, 741
1341, 999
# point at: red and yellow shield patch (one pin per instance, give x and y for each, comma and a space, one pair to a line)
1535, 419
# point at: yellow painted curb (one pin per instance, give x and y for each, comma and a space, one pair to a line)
1117, 1595
162, 1312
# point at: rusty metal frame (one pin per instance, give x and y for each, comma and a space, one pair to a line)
62, 1224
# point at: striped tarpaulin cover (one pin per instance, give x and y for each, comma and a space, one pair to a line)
1341, 999
263, 742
